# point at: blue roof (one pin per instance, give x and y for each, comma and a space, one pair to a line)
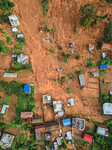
27, 88
103, 66
66, 122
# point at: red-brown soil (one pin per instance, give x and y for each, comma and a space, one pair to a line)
61, 16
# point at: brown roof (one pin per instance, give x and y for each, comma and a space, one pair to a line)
37, 119
26, 114
29, 120
106, 46
40, 128
52, 126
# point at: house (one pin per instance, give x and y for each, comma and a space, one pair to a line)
47, 148
58, 108
68, 135
78, 123
40, 128
95, 74
46, 99
6, 140
81, 79
103, 66
10, 75
103, 55
52, 126
4, 108
38, 136
59, 140
88, 138
27, 88
48, 136
26, 115
13, 19
107, 108
71, 101
35, 119
101, 130
106, 46
19, 35
22, 59
66, 122
14, 29
55, 146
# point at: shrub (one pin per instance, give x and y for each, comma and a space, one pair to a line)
71, 75
75, 29
65, 59
21, 40
2, 47
52, 50
55, 80
45, 6
89, 63
59, 47
63, 79
85, 22
78, 57
69, 91
102, 73
47, 29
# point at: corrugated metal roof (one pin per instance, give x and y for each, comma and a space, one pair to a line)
96, 74
88, 138
4, 108
81, 79
106, 46
66, 122
52, 126
13, 19
107, 108
20, 35
40, 128
103, 66
26, 114
102, 131
10, 75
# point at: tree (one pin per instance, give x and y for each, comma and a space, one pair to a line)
85, 22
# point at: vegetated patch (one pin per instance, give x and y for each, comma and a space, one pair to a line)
89, 63
69, 91
5, 9
79, 72
107, 35
2, 47
16, 67
63, 79
72, 76
47, 29
45, 6
102, 73
89, 15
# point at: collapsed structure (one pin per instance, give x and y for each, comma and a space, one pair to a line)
78, 123
13, 19
58, 108
6, 140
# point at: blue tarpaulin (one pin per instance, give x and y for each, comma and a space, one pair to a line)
66, 122
91, 51
27, 88
103, 66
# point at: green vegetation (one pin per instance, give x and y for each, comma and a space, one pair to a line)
56, 80
17, 121
107, 35
65, 59
2, 30
63, 146
45, 6
9, 40
5, 6
48, 143
79, 72
78, 57
102, 73
103, 98
47, 29
59, 47
69, 91
81, 144
63, 79
89, 63
89, 15
7, 99
21, 41
52, 50
75, 29
22, 138
2, 47
105, 61
72, 76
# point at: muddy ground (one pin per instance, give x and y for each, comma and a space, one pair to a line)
62, 16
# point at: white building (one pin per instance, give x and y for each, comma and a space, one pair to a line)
13, 19
81, 79
10, 75
4, 108
107, 108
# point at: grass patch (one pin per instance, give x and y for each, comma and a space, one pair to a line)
63, 79
7, 99
69, 91
45, 6
89, 63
